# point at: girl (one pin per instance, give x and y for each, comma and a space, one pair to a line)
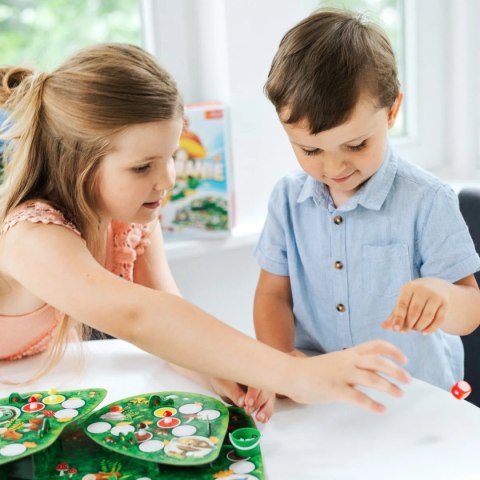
88, 162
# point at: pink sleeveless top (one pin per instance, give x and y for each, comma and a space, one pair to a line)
31, 333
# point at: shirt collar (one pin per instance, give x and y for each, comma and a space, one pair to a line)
371, 195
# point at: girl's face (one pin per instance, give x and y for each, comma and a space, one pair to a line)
136, 174
346, 156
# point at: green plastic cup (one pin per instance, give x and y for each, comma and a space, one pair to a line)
246, 441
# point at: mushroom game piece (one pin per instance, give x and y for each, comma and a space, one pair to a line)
167, 420
461, 390
33, 405
62, 468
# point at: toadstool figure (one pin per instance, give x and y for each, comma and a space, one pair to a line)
62, 468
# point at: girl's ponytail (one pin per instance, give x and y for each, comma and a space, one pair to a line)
10, 79
21, 98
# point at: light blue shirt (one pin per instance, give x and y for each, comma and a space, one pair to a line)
402, 224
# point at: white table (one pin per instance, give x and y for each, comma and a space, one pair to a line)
426, 435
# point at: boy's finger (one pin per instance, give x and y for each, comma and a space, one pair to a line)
388, 323
414, 312
428, 315
438, 320
399, 314
251, 399
265, 412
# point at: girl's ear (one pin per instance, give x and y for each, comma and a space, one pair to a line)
394, 109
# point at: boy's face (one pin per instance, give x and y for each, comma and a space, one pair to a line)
345, 157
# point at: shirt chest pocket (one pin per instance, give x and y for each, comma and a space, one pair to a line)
385, 269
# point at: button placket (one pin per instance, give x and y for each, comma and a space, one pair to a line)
340, 284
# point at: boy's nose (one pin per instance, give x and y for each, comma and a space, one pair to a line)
333, 167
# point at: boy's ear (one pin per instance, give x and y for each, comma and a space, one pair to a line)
394, 109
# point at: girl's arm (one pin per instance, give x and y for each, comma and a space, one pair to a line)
273, 312
427, 304
55, 265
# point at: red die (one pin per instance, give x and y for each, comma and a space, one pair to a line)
461, 390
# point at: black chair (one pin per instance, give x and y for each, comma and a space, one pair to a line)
469, 199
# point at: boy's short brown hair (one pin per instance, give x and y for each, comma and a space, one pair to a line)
325, 62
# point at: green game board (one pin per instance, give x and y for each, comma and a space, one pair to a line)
176, 428
32, 422
90, 461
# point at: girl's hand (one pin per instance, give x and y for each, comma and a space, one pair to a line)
421, 306
333, 376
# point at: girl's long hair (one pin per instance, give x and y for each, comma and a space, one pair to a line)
59, 126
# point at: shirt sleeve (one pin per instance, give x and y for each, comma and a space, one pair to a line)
271, 249
444, 243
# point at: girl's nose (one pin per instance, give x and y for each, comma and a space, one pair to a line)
166, 179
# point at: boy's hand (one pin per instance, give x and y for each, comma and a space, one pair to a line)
333, 376
230, 392
259, 401
421, 306
251, 399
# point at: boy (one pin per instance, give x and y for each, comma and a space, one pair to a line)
360, 244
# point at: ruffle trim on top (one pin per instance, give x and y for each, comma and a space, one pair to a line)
37, 212
129, 241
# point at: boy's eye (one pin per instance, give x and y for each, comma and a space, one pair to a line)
142, 168
310, 153
356, 148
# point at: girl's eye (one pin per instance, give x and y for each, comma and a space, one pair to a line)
356, 148
142, 168
310, 153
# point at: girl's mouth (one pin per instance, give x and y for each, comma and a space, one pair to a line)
152, 205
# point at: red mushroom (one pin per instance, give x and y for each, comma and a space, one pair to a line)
72, 472
62, 468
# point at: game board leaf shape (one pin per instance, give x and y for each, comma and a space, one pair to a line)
173, 428
31, 422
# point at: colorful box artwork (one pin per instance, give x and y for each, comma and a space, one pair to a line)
199, 206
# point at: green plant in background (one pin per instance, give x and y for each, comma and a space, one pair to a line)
42, 33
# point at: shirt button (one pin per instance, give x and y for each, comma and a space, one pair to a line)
341, 307
338, 265
337, 220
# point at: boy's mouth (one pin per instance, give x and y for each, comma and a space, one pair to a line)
342, 179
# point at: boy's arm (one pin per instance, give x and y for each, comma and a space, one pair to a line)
273, 311
427, 304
